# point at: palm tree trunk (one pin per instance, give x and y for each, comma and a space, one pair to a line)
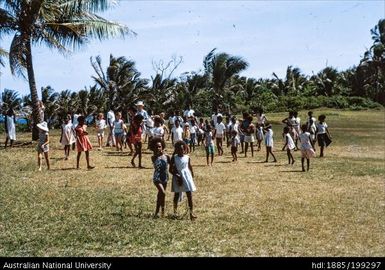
34, 96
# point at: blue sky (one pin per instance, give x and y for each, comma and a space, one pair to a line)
269, 35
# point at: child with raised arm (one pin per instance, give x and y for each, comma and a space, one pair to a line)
269, 142
289, 145
160, 178
307, 150
83, 142
323, 135
100, 125
43, 144
67, 137
235, 142
183, 174
208, 143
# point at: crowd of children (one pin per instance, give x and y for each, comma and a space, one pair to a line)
186, 133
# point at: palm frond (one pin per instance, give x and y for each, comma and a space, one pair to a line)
17, 59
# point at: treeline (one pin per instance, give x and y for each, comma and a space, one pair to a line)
218, 85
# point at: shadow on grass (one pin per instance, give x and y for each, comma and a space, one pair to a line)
64, 169
223, 162
115, 154
127, 167
292, 171
57, 158
254, 162
273, 164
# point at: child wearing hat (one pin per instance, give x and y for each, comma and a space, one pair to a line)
43, 144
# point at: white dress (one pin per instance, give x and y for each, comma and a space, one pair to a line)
181, 164
290, 142
269, 138
11, 128
68, 134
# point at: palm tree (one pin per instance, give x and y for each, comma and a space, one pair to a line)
60, 24
220, 68
121, 82
49, 98
97, 100
325, 81
63, 103
3, 53
372, 66
10, 100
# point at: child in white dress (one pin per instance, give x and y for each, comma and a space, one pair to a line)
67, 137
10, 127
183, 174
100, 126
269, 142
289, 145
307, 150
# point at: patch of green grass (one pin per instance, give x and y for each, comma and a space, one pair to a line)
245, 209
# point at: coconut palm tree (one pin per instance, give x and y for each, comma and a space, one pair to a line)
3, 53
59, 24
49, 98
10, 100
121, 82
220, 68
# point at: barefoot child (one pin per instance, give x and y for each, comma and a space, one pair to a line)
322, 134
289, 144
307, 150
160, 161
100, 125
183, 174
208, 143
220, 134
259, 135
10, 127
235, 142
67, 137
269, 142
83, 142
43, 144
118, 126
136, 138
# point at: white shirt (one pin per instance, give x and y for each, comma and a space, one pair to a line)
219, 129
101, 124
177, 134
158, 132
321, 128
110, 117
189, 113
193, 129
171, 120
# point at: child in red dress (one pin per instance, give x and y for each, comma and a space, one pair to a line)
83, 142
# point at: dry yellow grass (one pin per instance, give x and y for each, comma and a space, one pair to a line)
247, 208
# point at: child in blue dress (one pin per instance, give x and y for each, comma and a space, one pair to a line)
160, 178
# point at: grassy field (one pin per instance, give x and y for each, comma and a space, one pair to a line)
246, 209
